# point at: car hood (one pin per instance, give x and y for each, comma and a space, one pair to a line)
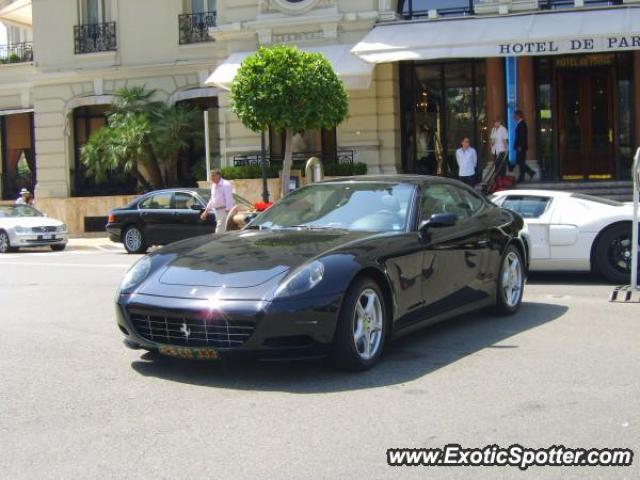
28, 222
250, 257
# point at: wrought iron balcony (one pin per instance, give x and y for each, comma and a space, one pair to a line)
194, 27
16, 53
409, 9
553, 4
95, 37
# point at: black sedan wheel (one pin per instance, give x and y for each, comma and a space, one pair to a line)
510, 284
613, 254
361, 329
5, 245
133, 240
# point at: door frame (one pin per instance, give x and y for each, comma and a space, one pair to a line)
584, 77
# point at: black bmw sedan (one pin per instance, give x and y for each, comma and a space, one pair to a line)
162, 217
334, 269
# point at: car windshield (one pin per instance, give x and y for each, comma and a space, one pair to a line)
19, 211
371, 206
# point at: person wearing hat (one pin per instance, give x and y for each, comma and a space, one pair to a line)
25, 198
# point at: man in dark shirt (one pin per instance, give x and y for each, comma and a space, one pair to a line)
521, 146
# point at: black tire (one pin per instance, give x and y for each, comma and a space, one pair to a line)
345, 354
133, 246
5, 244
613, 250
58, 248
508, 300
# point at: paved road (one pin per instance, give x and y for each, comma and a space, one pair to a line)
74, 403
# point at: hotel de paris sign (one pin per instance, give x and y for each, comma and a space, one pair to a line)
576, 45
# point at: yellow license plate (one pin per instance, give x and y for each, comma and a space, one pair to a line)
192, 353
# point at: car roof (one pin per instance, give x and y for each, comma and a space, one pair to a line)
536, 193
393, 178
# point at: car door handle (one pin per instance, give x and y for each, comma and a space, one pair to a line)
483, 243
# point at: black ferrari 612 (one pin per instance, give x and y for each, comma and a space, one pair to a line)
334, 269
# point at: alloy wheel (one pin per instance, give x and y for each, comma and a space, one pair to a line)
133, 239
367, 324
620, 253
512, 279
4, 242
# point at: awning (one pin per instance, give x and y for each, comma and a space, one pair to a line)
542, 33
355, 73
17, 12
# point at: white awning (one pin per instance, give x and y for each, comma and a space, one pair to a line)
17, 12
355, 73
542, 33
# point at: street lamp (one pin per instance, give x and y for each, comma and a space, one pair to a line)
263, 163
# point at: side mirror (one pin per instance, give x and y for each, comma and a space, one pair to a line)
438, 220
197, 207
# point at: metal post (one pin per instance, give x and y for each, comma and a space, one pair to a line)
635, 174
263, 163
207, 149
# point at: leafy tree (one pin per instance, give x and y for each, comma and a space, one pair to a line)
288, 90
143, 137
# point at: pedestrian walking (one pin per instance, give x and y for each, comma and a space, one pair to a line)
521, 145
499, 146
467, 159
221, 201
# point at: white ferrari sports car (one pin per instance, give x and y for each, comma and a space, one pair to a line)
574, 232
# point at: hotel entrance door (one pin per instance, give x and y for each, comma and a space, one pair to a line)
585, 121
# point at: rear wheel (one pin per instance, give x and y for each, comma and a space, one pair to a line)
58, 248
613, 253
5, 244
133, 240
361, 328
510, 283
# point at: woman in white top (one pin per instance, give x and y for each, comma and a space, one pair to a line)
499, 145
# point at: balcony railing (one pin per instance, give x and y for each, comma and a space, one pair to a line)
409, 9
16, 53
194, 27
552, 4
95, 37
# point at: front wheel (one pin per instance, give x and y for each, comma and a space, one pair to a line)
133, 240
613, 254
5, 244
361, 328
510, 282
58, 248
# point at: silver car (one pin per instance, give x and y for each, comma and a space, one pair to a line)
24, 226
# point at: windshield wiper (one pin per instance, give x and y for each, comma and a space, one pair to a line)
256, 227
312, 227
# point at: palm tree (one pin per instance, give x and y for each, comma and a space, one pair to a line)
143, 137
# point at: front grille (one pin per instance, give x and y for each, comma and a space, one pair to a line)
43, 229
190, 329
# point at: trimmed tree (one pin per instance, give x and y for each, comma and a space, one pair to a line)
142, 137
290, 91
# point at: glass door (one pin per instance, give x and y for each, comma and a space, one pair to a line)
585, 116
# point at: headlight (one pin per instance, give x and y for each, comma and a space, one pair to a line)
136, 274
63, 228
19, 229
303, 280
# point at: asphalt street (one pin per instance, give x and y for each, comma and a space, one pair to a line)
74, 403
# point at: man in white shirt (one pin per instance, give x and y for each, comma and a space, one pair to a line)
467, 161
23, 199
499, 145
221, 201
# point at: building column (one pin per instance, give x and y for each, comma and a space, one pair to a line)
636, 90
527, 102
495, 92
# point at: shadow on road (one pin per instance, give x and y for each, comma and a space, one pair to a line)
404, 360
566, 278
